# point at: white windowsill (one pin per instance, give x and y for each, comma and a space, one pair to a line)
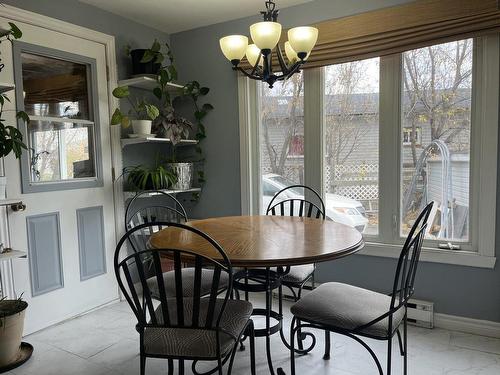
461, 258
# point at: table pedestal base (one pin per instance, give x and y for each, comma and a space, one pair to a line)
266, 281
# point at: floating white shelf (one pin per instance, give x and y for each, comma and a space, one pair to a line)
12, 255
134, 141
4, 87
131, 194
8, 202
147, 83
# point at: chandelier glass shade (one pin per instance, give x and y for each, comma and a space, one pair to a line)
266, 36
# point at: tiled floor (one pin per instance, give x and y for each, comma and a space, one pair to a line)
105, 342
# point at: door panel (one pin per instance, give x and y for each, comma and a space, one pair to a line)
85, 215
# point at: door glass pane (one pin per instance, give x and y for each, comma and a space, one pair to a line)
351, 144
54, 87
60, 151
435, 142
281, 137
54, 91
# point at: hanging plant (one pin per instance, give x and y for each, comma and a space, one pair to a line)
11, 139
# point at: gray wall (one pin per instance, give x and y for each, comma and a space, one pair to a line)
125, 31
464, 291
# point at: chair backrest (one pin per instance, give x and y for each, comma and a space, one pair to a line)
408, 260
160, 207
286, 202
177, 311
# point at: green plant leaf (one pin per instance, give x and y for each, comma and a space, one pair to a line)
14, 30
121, 92
152, 111
116, 118
156, 46
173, 72
157, 92
21, 115
207, 107
164, 77
204, 90
148, 56
125, 121
159, 58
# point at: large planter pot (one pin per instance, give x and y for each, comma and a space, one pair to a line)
184, 173
140, 68
142, 126
11, 329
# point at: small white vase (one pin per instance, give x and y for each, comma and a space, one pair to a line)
142, 126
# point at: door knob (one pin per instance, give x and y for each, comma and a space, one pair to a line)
18, 207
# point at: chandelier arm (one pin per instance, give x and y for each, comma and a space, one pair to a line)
249, 75
294, 69
281, 60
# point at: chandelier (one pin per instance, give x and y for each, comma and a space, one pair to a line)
266, 36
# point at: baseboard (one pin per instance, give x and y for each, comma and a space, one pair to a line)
468, 325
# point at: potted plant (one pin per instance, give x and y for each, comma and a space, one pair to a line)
144, 113
142, 65
150, 178
11, 329
169, 123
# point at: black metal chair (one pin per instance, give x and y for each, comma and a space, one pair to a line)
297, 276
183, 327
355, 312
164, 208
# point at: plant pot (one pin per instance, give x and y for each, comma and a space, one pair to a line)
184, 173
12, 314
3, 187
139, 68
142, 126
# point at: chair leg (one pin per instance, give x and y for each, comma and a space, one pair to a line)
170, 367
143, 364
326, 356
181, 367
405, 358
389, 356
252, 348
292, 347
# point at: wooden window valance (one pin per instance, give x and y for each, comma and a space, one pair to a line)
400, 28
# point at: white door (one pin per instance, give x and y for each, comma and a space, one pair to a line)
68, 227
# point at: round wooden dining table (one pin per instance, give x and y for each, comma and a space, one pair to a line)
266, 242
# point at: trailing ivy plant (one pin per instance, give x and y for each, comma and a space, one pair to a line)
11, 139
177, 127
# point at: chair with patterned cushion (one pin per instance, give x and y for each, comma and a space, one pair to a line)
153, 206
297, 200
183, 326
356, 312
158, 206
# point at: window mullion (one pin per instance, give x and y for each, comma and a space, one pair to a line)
313, 128
389, 140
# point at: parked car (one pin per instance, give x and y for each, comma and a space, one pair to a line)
338, 208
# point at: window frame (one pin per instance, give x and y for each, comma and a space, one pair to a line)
480, 252
27, 185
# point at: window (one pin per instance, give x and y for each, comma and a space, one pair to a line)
61, 135
281, 131
437, 100
351, 134
393, 133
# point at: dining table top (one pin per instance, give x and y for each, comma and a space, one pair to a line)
265, 241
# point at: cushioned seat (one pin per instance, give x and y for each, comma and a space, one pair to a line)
298, 274
187, 282
197, 343
347, 307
